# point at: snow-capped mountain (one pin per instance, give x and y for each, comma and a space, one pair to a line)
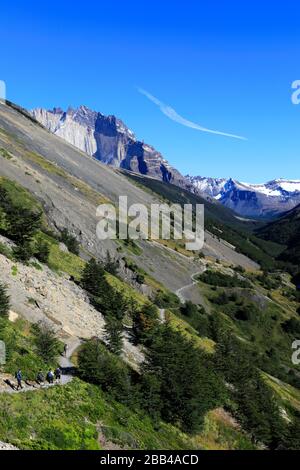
108, 139
208, 186
251, 200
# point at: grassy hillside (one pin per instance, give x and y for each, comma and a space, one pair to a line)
258, 314
286, 231
80, 416
219, 220
214, 355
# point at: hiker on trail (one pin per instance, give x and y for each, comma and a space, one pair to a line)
65, 350
19, 379
50, 376
57, 373
40, 378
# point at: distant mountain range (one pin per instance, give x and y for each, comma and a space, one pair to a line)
250, 200
109, 140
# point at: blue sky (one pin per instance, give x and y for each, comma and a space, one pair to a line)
226, 66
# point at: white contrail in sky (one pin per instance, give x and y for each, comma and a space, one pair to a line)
172, 114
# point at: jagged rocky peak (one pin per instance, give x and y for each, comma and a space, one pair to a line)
208, 186
108, 139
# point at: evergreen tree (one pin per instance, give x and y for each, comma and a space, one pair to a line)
189, 309
42, 251
110, 301
92, 277
150, 390
97, 365
256, 406
22, 224
5, 201
187, 383
144, 322
24, 251
113, 334
70, 241
103, 296
46, 343
290, 440
4, 302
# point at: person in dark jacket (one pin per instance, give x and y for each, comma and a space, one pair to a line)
57, 373
19, 379
40, 378
50, 376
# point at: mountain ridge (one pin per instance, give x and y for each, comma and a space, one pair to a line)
111, 141
107, 139
266, 200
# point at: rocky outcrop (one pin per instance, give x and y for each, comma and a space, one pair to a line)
42, 295
107, 139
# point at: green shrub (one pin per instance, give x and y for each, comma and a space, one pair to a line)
144, 322
114, 334
181, 371
70, 241
165, 299
23, 252
291, 326
42, 250
216, 278
46, 343
98, 366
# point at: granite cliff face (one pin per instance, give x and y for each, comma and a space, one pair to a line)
107, 139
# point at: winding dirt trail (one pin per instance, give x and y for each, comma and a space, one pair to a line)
65, 364
179, 292
162, 315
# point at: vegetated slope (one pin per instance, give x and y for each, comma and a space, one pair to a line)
74, 424
219, 220
285, 230
74, 416
81, 416
194, 373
